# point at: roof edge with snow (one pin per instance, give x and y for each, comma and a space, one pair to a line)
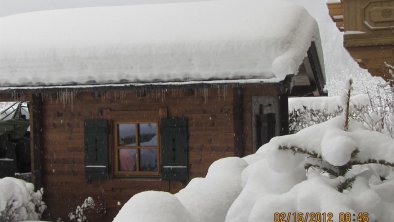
224, 40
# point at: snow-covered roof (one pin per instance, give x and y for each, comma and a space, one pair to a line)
207, 40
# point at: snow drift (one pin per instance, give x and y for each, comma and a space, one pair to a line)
19, 201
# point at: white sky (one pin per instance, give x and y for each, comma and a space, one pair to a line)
9, 7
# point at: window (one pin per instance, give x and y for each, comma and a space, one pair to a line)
137, 149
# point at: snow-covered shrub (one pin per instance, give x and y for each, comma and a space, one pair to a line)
375, 110
19, 201
79, 214
304, 117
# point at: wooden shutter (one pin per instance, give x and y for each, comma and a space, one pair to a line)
265, 128
174, 149
96, 149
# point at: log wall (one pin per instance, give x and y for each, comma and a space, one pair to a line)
219, 124
209, 112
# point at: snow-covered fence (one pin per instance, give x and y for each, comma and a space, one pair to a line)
19, 201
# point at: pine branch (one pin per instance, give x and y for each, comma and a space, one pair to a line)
300, 150
325, 169
346, 184
382, 162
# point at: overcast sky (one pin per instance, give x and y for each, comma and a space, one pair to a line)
9, 7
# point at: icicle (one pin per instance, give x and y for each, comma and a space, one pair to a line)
205, 91
13, 96
163, 95
224, 92
72, 100
219, 94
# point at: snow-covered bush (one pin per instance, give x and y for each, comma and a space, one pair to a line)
304, 117
19, 202
79, 214
374, 109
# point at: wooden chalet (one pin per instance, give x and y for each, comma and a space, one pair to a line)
368, 27
112, 139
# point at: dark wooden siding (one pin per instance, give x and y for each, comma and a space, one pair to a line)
209, 110
209, 113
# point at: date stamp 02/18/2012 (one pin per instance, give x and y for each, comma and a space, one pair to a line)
320, 217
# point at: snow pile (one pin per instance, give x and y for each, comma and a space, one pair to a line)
321, 169
18, 201
207, 40
217, 190
203, 200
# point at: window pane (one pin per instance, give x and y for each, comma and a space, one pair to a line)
127, 135
148, 161
128, 159
148, 134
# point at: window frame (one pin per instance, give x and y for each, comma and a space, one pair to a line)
117, 147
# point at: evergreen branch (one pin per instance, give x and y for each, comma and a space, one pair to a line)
325, 169
382, 162
346, 184
300, 150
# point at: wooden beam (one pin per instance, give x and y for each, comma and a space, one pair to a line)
368, 39
36, 153
317, 68
284, 114
238, 121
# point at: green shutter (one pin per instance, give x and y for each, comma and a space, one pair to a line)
96, 149
174, 149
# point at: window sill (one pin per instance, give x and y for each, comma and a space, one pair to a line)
136, 178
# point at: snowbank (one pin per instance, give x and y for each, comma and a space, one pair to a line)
225, 39
321, 169
18, 201
203, 200
154, 206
